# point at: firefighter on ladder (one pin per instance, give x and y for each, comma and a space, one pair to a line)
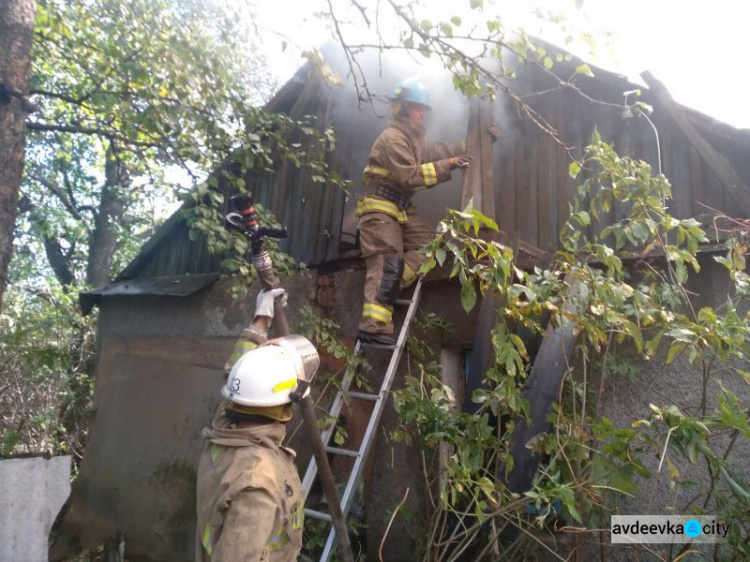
391, 233
249, 495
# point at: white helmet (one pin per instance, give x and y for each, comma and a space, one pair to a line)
266, 376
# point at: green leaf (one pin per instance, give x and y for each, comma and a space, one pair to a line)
476, 4
427, 266
468, 295
574, 169
585, 70
622, 480
10, 440
737, 489
683, 335
744, 374
455, 20
673, 351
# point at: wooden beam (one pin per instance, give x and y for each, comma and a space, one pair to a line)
477, 184
486, 151
727, 175
471, 186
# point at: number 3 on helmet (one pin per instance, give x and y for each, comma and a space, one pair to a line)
266, 376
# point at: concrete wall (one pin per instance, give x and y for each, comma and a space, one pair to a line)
158, 378
32, 491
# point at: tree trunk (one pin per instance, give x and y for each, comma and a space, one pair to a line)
103, 242
16, 34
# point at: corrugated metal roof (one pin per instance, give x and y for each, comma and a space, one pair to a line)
174, 285
312, 211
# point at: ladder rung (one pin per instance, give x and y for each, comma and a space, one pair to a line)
379, 346
360, 456
318, 515
362, 395
403, 302
343, 452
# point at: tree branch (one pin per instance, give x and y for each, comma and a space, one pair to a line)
55, 95
57, 192
58, 260
95, 131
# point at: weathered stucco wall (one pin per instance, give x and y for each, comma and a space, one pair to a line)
158, 380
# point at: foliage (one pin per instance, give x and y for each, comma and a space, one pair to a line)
270, 140
138, 102
133, 99
126, 94
46, 390
621, 314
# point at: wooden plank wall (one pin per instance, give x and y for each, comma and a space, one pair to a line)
534, 190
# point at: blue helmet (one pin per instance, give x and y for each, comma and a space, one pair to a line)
411, 90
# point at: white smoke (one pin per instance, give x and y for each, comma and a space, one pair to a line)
360, 121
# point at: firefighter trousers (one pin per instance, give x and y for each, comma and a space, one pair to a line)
390, 251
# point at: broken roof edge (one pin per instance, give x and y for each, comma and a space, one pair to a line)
602, 73
170, 285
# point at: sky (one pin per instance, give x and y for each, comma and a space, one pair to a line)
699, 49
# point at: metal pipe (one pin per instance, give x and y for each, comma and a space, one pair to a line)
325, 474
326, 479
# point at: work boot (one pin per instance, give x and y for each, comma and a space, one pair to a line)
376, 339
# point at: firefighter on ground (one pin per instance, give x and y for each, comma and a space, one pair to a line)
249, 496
400, 164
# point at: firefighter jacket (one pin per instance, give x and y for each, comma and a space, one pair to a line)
250, 505
401, 164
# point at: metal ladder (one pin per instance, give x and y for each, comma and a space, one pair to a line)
379, 400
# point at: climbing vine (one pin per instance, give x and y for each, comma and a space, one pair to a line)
625, 291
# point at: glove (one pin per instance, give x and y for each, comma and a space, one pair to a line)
494, 131
265, 300
462, 162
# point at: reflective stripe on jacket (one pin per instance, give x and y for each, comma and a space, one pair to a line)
250, 338
428, 173
401, 161
371, 204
